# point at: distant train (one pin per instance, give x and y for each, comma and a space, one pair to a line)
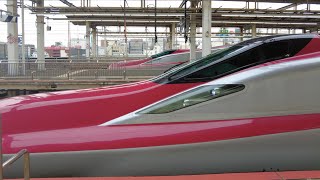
162, 61
251, 107
171, 60
152, 57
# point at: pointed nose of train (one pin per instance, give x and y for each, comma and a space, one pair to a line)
80, 108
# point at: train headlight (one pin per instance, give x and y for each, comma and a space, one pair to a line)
192, 97
215, 92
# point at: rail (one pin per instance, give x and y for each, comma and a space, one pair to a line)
73, 71
23, 153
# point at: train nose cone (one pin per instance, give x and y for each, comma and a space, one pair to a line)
8, 104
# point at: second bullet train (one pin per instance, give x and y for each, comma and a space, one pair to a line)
251, 107
140, 61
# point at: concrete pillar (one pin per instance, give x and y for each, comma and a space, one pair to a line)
40, 38
254, 31
69, 42
105, 41
94, 42
193, 32
87, 39
206, 27
97, 45
170, 38
143, 3
13, 49
23, 48
241, 34
304, 30
294, 31
295, 8
173, 35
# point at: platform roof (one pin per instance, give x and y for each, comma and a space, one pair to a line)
281, 1
221, 17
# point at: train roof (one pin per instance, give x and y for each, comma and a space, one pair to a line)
278, 38
299, 63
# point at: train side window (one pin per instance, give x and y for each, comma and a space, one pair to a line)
298, 44
204, 62
265, 52
240, 61
276, 50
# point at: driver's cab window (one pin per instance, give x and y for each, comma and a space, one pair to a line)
156, 60
162, 54
258, 55
238, 61
276, 50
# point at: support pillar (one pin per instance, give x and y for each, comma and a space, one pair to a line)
304, 30
254, 31
97, 46
170, 38
23, 47
13, 49
173, 35
241, 34
143, 3
206, 27
40, 38
105, 42
295, 8
87, 39
94, 42
193, 32
69, 42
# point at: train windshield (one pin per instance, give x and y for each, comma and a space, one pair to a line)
184, 70
163, 53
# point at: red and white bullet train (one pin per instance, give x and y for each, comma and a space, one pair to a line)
168, 61
254, 106
161, 61
140, 61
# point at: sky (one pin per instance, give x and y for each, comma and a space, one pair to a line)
59, 31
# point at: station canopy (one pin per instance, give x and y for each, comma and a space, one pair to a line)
299, 14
